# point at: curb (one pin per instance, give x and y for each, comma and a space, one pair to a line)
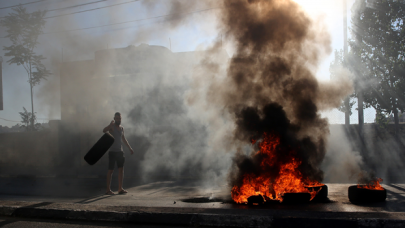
199, 219
183, 219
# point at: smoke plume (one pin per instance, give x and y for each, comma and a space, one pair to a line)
270, 85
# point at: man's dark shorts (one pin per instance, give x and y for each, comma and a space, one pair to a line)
116, 157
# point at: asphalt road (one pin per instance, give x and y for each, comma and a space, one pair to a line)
8, 222
182, 203
176, 194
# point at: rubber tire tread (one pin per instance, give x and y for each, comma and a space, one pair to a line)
296, 198
99, 149
362, 195
322, 194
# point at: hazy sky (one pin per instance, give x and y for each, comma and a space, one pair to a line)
197, 33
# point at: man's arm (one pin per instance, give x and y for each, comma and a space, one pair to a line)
126, 142
108, 128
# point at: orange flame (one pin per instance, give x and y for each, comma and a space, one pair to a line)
288, 180
374, 186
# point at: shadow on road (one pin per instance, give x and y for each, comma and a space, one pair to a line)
94, 199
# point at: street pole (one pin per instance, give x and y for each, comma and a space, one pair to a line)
347, 99
360, 108
1, 83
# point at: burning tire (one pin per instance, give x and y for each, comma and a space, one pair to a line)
363, 195
288, 198
293, 198
322, 194
300, 197
256, 200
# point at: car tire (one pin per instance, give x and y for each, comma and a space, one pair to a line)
322, 194
363, 195
99, 149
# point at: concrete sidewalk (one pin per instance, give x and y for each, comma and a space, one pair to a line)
188, 204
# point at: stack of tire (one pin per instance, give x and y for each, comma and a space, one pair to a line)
294, 198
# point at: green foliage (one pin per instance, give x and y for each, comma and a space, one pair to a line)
41, 73
381, 119
343, 107
378, 51
29, 121
23, 29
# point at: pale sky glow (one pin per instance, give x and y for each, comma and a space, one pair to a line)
316, 6
329, 13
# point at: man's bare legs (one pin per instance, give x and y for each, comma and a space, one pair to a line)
109, 176
120, 180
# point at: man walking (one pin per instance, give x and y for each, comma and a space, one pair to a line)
116, 153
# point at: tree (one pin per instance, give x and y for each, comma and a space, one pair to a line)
381, 119
378, 45
27, 118
23, 29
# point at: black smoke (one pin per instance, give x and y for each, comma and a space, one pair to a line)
253, 123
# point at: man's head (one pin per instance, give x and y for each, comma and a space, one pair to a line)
117, 118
